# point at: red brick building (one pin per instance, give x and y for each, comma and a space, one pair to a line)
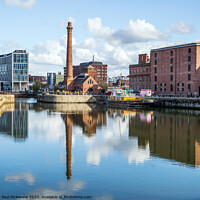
100, 76
33, 79
140, 74
175, 70
84, 83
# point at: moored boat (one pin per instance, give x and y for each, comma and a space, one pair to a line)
125, 98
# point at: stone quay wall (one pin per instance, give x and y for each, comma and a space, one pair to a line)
177, 102
6, 99
54, 98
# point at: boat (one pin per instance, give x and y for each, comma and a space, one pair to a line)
126, 98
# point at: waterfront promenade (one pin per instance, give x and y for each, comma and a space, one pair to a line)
55, 98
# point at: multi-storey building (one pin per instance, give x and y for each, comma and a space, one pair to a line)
176, 69
100, 76
51, 79
14, 71
59, 78
139, 74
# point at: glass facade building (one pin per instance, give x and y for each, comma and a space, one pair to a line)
14, 69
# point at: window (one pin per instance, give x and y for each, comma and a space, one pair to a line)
171, 60
155, 78
133, 71
182, 84
147, 79
171, 87
182, 89
155, 70
155, 55
189, 86
171, 77
130, 71
156, 87
189, 58
147, 69
171, 68
189, 50
161, 84
189, 68
140, 70
178, 84
160, 89
155, 62
171, 53
189, 77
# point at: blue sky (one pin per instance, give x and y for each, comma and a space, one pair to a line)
115, 31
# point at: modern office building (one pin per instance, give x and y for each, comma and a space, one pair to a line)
140, 74
14, 69
51, 79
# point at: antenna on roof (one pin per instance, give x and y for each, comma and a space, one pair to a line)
93, 58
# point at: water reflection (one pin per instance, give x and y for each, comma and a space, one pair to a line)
101, 148
14, 120
170, 135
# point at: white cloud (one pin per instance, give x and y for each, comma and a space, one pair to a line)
65, 188
183, 28
49, 53
95, 27
28, 177
52, 124
28, 4
89, 43
134, 31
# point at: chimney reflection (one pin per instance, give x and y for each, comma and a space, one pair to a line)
88, 121
69, 124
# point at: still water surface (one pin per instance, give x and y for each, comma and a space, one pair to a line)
108, 154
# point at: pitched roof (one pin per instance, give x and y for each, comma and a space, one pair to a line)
81, 78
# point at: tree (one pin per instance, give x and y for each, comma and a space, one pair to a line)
56, 87
104, 86
37, 86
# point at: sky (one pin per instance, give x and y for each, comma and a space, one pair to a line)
114, 31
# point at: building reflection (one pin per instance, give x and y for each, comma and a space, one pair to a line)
169, 135
88, 121
14, 120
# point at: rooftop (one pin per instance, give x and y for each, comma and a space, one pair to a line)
92, 62
177, 46
81, 78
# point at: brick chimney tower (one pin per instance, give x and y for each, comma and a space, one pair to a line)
69, 65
